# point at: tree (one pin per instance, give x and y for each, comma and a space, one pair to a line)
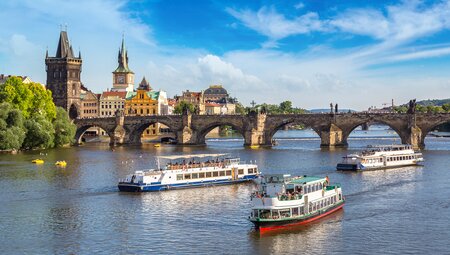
184, 106
446, 107
286, 107
40, 133
31, 98
12, 131
240, 109
64, 128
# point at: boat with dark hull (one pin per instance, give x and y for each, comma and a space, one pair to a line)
190, 171
282, 201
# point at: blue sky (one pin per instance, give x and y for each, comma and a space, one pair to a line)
356, 53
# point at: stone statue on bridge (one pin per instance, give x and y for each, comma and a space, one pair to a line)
331, 107
336, 108
412, 106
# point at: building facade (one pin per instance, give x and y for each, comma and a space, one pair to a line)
195, 98
63, 77
89, 103
110, 102
144, 102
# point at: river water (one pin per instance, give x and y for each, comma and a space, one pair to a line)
78, 210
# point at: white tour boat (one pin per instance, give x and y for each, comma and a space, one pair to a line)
376, 157
186, 171
282, 201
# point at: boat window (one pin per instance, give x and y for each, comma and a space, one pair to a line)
275, 214
285, 213
250, 170
222, 173
241, 171
201, 175
187, 176
215, 174
302, 210
208, 174
254, 213
264, 214
179, 177
295, 211
320, 186
228, 173
195, 176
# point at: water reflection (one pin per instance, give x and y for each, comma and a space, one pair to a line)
319, 237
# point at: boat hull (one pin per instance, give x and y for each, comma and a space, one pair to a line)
360, 167
278, 224
134, 187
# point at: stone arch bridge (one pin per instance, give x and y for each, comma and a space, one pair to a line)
259, 128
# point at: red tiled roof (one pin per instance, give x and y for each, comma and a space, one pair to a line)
213, 104
121, 94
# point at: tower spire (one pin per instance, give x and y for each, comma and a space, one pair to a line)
123, 58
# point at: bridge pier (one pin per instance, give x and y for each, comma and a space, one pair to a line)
256, 135
332, 137
414, 137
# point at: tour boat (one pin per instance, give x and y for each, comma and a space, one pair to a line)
186, 171
282, 201
377, 157
38, 161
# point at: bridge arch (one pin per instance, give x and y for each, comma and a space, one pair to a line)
82, 129
398, 130
201, 133
277, 125
430, 126
136, 131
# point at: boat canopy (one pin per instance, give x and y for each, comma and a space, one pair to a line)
192, 156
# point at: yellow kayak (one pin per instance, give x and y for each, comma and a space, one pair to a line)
157, 145
61, 163
38, 161
254, 146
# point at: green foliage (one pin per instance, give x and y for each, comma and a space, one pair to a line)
30, 99
400, 109
40, 133
64, 128
29, 118
183, 105
12, 131
240, 109
283, 108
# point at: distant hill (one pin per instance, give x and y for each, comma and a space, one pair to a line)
435, 102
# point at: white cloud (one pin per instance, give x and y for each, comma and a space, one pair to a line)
21, 46
299, 5
267, 21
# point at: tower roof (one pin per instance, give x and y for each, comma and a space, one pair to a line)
123, 60
144, 85
64, 49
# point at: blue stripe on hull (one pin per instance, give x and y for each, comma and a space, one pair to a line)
161, 187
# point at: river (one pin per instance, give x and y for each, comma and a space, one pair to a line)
78, 209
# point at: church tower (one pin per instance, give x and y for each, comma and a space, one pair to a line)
63, 76
123, 77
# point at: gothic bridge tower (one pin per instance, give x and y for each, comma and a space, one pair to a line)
63, 76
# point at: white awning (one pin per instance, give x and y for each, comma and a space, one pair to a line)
192, 156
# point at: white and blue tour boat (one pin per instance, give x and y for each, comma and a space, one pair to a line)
186, 171
379, 157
